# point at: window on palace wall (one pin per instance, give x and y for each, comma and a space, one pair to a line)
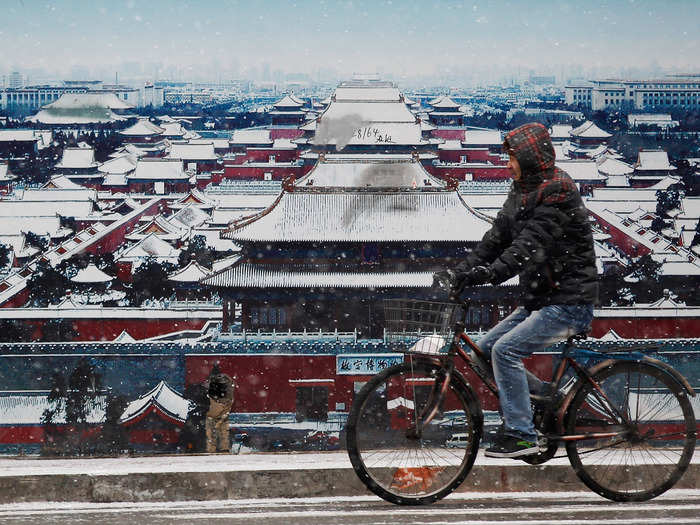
312, 403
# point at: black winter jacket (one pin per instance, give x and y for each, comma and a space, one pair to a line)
542, 232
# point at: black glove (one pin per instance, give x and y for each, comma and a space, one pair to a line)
475, 276
444, 279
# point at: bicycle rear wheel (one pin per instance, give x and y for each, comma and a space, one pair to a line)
642, 457
397, 457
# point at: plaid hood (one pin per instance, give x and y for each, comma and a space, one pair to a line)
531, 145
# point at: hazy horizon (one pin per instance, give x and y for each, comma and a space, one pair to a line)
326, 40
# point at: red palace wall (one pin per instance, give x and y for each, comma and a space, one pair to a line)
448, 134
263, 155
285, 133
264, 383
486, 173
473, 155
237, 172
648, 327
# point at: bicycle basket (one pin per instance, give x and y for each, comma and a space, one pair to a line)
416, 326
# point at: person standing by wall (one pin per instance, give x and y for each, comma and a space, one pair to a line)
220, 401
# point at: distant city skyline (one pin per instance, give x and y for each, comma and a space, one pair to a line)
327, 40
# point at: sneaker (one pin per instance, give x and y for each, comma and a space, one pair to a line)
512, 447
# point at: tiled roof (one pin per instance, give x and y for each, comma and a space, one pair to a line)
357, 216
369, 170
249, 275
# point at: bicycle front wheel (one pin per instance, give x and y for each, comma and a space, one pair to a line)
395, 452
642, 432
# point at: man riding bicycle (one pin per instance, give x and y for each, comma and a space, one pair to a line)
543, 235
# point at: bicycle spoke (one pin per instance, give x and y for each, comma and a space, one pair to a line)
656, 447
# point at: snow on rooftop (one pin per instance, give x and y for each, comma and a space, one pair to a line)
363, 217
251, 136
159, 169
125, 163
191, 216
288, 102
358, 113
142, 128
445, 102
89, 100
91, 274
149, 246
378, 94
560, 131
23, 409
77, 158
651, 160
611, 166
187, 151
589, 130
192, 273
580, 170
163, 398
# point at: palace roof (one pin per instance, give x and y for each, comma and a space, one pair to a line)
89, 100
82, 108
580, 170
611, 166
248, 275
369, 170
149, 246
652, 160
288, 102
187, 151
125, 163
142, 128
44, 208
18, 243
77, 158
251, 136
190, 216
362, 216
23, 409
163, 400
91, 274
445, 103
353, 132
560, 131
373, 94
157, 226
192, 273
195, 198
159, 169
368, 112
589, 130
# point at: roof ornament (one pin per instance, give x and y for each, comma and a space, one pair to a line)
288, 183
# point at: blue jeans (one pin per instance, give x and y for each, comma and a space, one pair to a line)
518, 336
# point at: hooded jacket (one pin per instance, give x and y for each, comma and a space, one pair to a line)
542, 232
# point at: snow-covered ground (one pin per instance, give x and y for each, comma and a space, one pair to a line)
201, 463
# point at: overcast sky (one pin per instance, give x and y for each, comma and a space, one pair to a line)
386, 36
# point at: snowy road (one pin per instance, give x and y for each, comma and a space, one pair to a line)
672, 508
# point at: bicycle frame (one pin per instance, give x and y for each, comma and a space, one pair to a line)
456, 350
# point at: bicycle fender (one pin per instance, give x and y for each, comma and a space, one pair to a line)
675, 374
672, 372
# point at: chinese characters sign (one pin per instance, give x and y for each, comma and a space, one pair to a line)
370, 134
365, 364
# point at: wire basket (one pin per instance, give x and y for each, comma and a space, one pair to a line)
419, 327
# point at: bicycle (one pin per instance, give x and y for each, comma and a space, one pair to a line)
414, 429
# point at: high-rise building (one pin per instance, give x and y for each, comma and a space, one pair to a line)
16, 81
